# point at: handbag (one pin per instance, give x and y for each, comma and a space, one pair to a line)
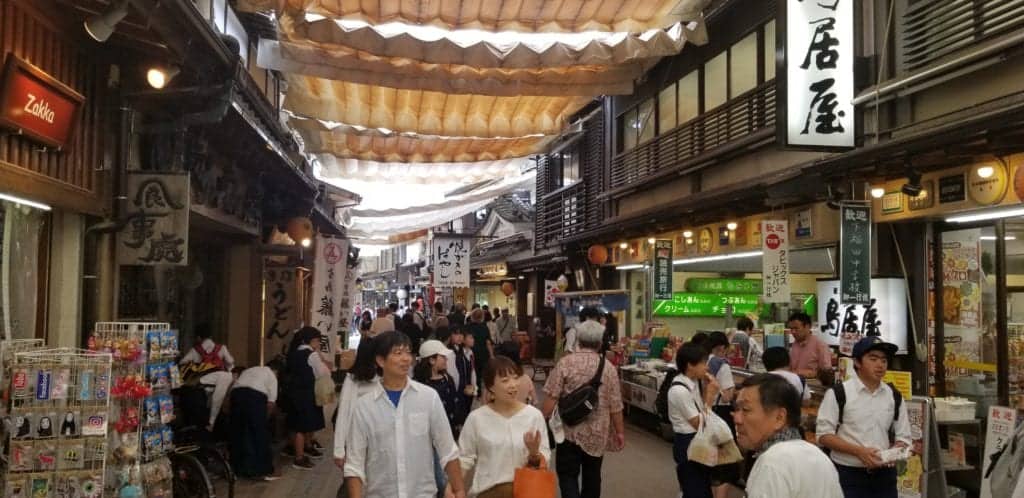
324, 389
579, 404
533, 483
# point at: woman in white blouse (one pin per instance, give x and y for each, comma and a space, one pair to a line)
361, 380
502, 435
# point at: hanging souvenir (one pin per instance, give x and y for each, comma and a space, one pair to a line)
85, 385
61, 380
43, 378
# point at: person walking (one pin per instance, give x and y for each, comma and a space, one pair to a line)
588, 314
361, 380
457, 318
432, 370
505, 327
502, 435
385, 322
808, 354
767, 419
750, 350
580, 449
483, 347
526, 393
252, 401
855, 419
687, 409
398, 428
465, 367
304, 416
722, 476
365, 323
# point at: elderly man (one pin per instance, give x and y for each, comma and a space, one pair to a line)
584, 444
767, 420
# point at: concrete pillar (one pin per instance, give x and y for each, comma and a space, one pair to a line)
64, 310
243, 314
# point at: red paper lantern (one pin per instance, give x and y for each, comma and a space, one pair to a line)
507, 289
597, 254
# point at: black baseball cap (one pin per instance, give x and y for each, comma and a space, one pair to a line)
873, 343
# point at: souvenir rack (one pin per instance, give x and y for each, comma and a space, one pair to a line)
8, 349
57, 439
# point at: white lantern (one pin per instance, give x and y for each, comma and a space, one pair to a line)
402, 294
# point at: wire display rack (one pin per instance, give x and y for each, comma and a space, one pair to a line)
8, 348
56, 443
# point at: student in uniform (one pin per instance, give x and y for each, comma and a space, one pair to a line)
252, 399
687, 406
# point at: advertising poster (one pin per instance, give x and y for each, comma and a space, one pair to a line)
775, 261
855, 254
281, 309
962, 278
1000, 432
329, 281
451, 262
911, 474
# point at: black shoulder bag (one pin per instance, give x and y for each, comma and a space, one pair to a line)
576, 406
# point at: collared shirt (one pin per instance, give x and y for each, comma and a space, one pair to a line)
684, 403
506, 326
812, 354
193, 357
796, 381
493, 446
725, 380
572, 372
316, 362
351, 392
391, 449
261, 379
220, 381
774, 474
867, 417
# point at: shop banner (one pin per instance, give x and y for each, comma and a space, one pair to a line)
885, 315
329, 284
855, 254
724, 285
962, 278
280, 309
158, 219
775, 261
1002, 422
550, 289
348, 307
663, 269
694, 304
451, 262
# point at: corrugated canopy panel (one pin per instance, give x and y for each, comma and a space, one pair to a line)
379, 145
508, 15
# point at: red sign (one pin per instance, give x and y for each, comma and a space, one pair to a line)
37, 105
772, 241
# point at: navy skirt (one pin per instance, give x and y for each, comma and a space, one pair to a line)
304, 415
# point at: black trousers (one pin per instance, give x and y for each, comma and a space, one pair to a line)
858, 482
250, 434
570, 460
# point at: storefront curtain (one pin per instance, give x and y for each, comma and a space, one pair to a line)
19, 269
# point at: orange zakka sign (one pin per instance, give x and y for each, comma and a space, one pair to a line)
36, 104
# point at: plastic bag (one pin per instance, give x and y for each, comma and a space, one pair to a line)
324, 388
713, 445
718, 429
703, 449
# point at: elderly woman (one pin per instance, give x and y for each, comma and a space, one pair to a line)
305, 418
502, 435
584, 444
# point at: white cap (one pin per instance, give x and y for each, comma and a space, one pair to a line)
431, 348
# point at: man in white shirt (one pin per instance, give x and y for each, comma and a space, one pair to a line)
856, 423
399, 428
776, 361
252, 400
206, 352
767, 418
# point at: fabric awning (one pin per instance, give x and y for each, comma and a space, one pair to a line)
446, 175
512, 15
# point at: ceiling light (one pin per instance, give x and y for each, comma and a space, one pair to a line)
101, 26
687, 234
721, 257
877, 192
731, 225
651, 241
993, 237
986, 215
629, 267
689, 241
307, 242
24, 202
986, 171
159, 77
623, 245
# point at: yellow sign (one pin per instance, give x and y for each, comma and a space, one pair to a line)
972, 365
901, 380
987, 183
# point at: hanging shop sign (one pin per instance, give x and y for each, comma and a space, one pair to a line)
550, 290
663, 269
924, 200
952, 189
157, 214
280, 309
451, 262
775, 261
691, 304
1000, 433
817, 40
36, 104
724, 285
328, 305
570, 304
885, 314
855, 254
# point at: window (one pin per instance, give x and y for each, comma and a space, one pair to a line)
567, 166
688, 98
636, 125
667, 109
769, 51
743, 66
24, 236
645, 121
716, 75
627, 127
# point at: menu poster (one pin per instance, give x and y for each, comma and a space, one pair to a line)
911, 473
1000, 431
962, 278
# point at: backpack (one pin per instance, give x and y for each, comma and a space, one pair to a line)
576, 406
840, 392
715, 364
661, 400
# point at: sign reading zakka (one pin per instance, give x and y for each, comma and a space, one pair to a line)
817, 38
775, 261
451, 262
36, 104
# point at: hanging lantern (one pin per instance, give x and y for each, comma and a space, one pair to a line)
597, 254
562, 283
507, 289
300, 229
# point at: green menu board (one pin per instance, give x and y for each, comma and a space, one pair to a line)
724, 285
704, 304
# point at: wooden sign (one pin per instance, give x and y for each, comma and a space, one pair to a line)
158, 220
35, 104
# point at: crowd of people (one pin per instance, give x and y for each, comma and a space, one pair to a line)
431, 401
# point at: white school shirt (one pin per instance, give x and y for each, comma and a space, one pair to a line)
775, 475
866, 419
725, 380
453, 369
493, 445
351, 391
316, 362
391, 449
193, 357
260, 379
794, 379
220, 381
684, 404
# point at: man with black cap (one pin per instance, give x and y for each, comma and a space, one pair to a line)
861, 417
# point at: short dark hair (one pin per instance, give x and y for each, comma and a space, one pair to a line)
203, 331
393, 307
590, 313
439, 307
387, 341
306, 334
744, 324
775, 358
716, 339
690, 354
443, 334
365, 368
500, 366
776, 392
801, 317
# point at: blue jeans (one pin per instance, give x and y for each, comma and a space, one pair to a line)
694, 478
439, 476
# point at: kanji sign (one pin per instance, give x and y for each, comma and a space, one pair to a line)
885, 315
855, 254
775, 261
663, 269
1002, 422
157, 214
280, 309
819, 47
451, 262
724, 285
330, 306
697, 304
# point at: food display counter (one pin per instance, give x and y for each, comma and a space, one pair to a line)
640, 383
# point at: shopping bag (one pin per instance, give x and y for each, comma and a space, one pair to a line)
718, 430
324, 389
729, 453
703, 449
533, 483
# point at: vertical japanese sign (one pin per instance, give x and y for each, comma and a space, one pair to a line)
999, 433
329, 286
775, 261
157, 212
280, 309
855, 254
451, 262
663, 269
819, 48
